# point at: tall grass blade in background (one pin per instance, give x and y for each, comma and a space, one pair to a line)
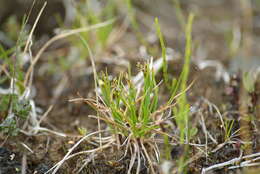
181, 111
165, 78
163, 47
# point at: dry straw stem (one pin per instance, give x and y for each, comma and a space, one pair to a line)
29, 41
62, 36
247, 163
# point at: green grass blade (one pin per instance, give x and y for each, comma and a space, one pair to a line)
163, 47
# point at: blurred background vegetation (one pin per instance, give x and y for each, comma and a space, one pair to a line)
223, 29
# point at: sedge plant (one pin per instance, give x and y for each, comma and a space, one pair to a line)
14, 106
133, 114
18, 112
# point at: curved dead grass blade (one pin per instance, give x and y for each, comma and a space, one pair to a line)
62, 36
